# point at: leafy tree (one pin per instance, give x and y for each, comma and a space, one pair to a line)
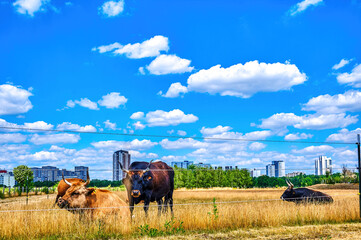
24, 176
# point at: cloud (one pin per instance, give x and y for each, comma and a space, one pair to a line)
281, 121
298, 136
341, 64
344, 135
302, 6
216, 130
148, 48
14, 100
175, 90
256, 146
352, 79
174, 117
75, 127
112, 100
246, 80
349, 101
54, 138
132, 145
12, 138
30, 6
110, 125
35, 125
167, 64
187, 143
112, 8
84, 102
39, 156
314, 150
137, 115
138, 125
181, 133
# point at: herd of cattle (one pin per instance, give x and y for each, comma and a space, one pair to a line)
146, 182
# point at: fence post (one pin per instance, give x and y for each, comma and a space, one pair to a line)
359, 170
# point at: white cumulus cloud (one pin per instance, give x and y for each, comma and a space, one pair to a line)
54, 138
344, 135
75, 127
138, 125
245, 80
349, 101
83, 102
167, 64
216, 130
352, 79
137, 115
175, 90
112, 8
303, 5
12, 138
149, 48
14, 100
132, 145
110, 125
341, 64
30, 6
174, 117
112, 100
298, 136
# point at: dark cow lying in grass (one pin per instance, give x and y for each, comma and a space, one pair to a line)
304, 195
96, 202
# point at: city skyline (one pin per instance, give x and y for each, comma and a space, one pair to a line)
230, 70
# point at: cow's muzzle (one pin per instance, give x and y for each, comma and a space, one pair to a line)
62, 203
135, 193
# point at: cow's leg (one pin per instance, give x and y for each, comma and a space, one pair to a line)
131, 207
160, 202
170, 195
146, 206
165, 205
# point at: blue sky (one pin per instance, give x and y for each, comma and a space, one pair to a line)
264, 70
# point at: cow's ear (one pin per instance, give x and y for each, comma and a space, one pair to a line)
149, 178
90, 191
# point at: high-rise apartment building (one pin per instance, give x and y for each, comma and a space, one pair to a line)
255, 172
271, 170
7, 178
124, 157
280, 170
53, 174
322, 165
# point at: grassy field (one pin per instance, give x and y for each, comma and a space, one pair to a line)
251, 211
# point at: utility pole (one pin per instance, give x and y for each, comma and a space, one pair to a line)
359, 170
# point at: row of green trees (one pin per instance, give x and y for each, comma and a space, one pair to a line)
196, 177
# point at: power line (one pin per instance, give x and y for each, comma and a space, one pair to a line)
177, 137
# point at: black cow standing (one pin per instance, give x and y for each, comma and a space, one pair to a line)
149, 182
303, 195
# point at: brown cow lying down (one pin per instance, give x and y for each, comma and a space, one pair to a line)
62, 187
97, 202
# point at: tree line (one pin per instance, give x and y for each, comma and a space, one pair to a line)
198, 177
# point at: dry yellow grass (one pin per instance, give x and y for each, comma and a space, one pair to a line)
267, 211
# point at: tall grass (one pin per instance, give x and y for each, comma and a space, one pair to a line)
195, 217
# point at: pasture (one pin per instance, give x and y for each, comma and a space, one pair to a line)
236, 212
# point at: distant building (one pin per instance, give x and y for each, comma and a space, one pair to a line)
294, 174
54, 174
124, 158
228, 168
7, 178
322, 165
280, 170
81, 171
255, 172
271, 170
203, 165
184, 164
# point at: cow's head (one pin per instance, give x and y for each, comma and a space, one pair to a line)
75, 196
139, 180
290, 193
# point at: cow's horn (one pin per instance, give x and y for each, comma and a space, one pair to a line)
62, 174
87, 178
291, 184
147, 169
121, 167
